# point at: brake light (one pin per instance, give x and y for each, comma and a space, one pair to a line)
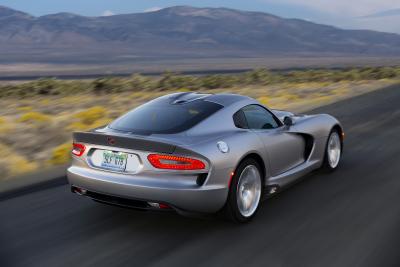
78, 149
175, 163
164, 206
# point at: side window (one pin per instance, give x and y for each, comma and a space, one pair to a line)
258, 117
240, 120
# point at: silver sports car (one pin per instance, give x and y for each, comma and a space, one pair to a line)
201, 153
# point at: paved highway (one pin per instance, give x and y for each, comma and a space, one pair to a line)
348, 218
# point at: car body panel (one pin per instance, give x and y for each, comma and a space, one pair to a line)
284, 149
286, 153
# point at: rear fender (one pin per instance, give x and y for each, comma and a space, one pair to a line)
318, 126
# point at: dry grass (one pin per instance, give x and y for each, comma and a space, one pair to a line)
36, 132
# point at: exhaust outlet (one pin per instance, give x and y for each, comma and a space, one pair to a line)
78, 191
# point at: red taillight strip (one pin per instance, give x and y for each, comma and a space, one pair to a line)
175, 162
78, 149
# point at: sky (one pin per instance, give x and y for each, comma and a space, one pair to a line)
341, 13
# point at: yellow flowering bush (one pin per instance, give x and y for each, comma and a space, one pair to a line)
91, 115
264, 100
32, 117
61, 154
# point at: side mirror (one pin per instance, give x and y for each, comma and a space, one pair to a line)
288, 121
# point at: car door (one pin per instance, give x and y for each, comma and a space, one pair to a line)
284, 148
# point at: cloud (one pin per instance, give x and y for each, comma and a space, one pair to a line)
387, 13
153, 9
348, 8
108, 13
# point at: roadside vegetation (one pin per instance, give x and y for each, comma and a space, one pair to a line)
38, 117
172, 81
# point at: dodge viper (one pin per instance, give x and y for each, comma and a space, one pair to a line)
201, 154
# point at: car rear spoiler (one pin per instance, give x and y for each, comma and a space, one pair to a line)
133, 143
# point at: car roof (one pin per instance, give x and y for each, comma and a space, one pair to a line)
182, 98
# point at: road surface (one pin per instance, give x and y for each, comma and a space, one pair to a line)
348, 218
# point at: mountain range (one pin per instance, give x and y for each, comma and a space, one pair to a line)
180, 31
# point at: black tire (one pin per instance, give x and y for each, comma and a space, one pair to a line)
326, 166
231, 209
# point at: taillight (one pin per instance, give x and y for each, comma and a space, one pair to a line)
175, 163
78, 149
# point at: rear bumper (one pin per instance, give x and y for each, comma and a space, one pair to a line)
175, 191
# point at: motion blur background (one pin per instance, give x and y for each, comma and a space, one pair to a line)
72, 65
75, 65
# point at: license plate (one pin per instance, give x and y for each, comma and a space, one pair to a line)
114, 160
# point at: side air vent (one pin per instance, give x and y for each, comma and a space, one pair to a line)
309, 146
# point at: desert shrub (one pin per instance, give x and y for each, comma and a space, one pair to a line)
102, 85
291, 97
61, 154
109, 85
5, 126
88, 119
384, 73
170, 80
21, 166
264, 100
25, 109
89, 116
352, 75
261, 76
139, 95
310, 76
217, 81
173, 81
80, 126
139, 83
44, 101
14, 164
34, 117
46, 87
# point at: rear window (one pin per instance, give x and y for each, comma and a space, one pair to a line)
159, 118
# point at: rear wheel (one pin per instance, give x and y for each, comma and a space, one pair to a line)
333, 151
245, 192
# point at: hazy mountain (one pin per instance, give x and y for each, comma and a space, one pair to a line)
178, 32
8, 12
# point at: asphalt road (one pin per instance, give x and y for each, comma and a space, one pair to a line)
348, 218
